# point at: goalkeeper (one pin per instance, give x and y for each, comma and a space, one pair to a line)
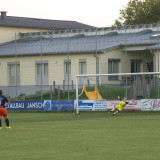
120, 106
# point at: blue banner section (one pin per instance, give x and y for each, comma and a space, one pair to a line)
92, 105
59, 105
25, 105
48, 105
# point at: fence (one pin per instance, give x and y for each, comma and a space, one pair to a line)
46, 63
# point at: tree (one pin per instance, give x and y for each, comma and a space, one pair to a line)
139, 12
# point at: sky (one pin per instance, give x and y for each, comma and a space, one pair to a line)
98, 13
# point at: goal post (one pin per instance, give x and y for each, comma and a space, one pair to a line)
142, 85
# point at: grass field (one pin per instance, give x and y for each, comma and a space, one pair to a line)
88, 136
106, 93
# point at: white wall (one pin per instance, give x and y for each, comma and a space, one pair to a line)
8, 33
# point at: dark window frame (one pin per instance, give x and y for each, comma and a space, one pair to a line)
111, 78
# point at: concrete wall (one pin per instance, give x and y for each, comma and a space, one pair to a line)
55, 67
156, 54
125, 62
8, 33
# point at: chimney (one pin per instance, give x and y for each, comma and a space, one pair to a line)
3, 14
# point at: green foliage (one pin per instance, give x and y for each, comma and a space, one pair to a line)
139, 12
105, 92
154, 94
111, 92
88, 136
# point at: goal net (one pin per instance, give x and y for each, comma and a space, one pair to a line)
97, 87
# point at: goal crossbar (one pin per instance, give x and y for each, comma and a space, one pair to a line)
118, 74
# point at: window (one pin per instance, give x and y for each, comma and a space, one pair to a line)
42, 73
113, 67
136, 66
82, 69
67, 67
14, 73
150, 66
44, 69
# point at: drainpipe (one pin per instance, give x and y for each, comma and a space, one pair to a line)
97, 62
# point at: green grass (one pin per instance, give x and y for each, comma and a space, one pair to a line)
105, 92
154, 94
87, 136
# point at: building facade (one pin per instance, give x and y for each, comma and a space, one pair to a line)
11, 27
40, 58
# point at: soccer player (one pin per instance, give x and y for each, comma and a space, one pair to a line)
4, 102
120, 106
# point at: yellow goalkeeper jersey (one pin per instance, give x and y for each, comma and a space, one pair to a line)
121, 105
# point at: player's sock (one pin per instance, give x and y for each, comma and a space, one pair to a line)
112, 110
115, 113
7, 122
0, 123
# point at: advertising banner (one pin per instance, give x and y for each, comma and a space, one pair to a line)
135, 106
92, 105
150, 104
59, 105
84, 105
25, 105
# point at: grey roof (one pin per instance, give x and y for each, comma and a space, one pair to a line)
77, 44
11, 21
154, 47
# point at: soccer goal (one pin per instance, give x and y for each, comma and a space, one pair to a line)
143, 85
